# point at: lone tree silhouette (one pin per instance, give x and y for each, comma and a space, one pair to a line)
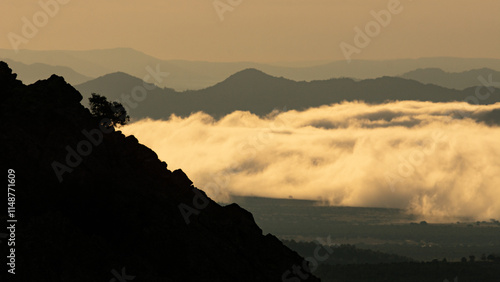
109, 113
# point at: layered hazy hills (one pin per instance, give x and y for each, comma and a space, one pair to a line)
184, 74
95, 63
255, 91
455, 80
112, 205
30, 73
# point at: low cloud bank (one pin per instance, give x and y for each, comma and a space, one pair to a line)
437, 160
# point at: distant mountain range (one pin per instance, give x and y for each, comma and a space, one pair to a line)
113, 207
194, 75
255, 91
30, 73
455, 80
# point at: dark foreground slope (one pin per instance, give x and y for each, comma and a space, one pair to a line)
115, 215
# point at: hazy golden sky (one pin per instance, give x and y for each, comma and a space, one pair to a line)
259, 30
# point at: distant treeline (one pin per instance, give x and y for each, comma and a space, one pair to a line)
344, 254
436, 271
348, 263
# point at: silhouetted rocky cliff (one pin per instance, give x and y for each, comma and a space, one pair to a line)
97, 206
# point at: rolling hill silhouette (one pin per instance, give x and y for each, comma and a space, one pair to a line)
195, 75
115, 206
253, 90
30, 73
455, 80
97, 63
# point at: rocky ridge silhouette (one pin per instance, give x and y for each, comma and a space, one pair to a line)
96, 206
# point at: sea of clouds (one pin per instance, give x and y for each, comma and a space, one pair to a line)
437, 160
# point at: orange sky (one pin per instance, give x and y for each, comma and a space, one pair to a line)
258, 30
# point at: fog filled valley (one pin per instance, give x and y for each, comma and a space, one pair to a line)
379, 190
414, 179
250, 141
437, 161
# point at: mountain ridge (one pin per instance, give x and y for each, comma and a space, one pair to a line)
260, 93
454, 80
195, 75
94, 201
30, 73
